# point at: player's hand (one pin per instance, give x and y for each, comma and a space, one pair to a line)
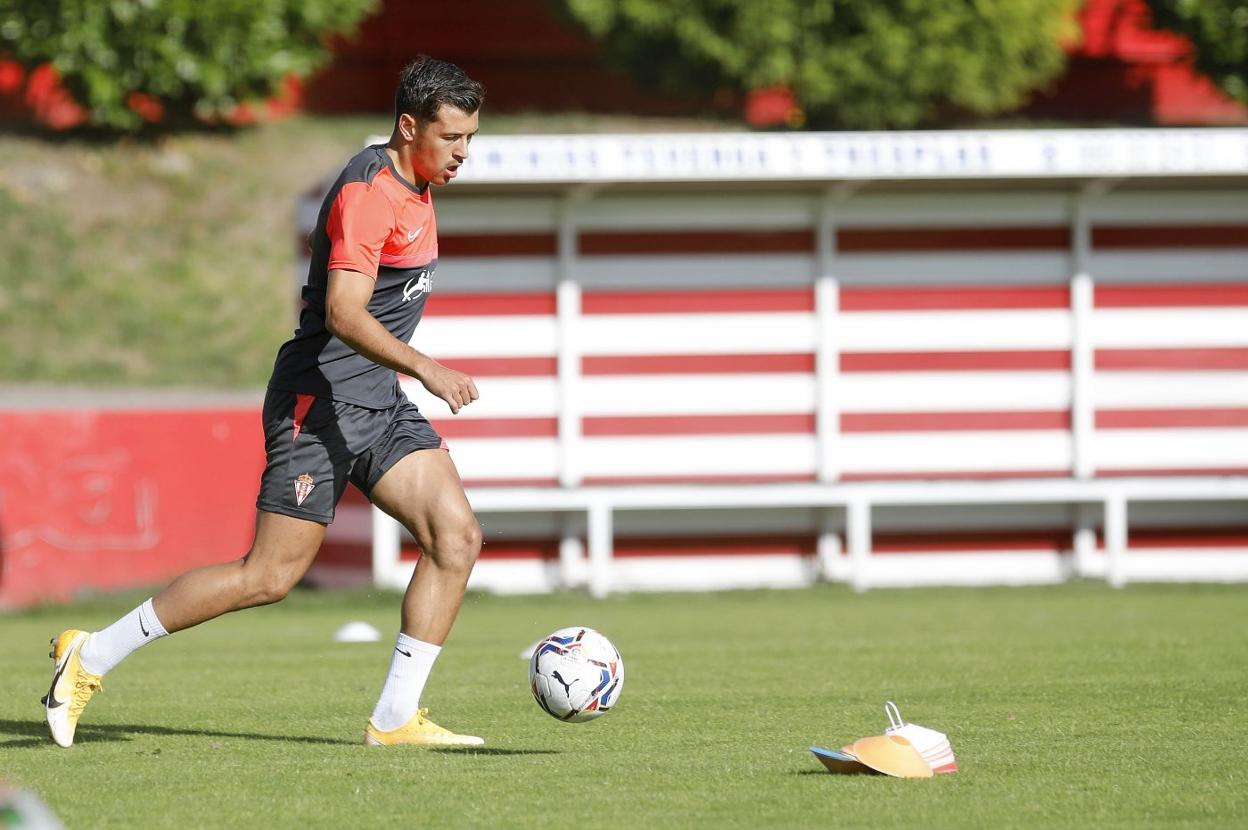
456, 388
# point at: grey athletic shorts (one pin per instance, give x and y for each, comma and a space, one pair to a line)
316, 445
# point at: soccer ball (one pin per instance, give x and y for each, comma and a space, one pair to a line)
576, 674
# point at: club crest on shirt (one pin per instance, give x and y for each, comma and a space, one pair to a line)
303, 487
419, 284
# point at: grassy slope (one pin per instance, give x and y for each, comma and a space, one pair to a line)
167, 263
1071, 706
172, 262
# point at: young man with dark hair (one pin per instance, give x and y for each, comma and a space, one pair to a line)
334, 412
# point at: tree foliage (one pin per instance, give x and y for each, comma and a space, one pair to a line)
862, 64
1219, 31
196, 58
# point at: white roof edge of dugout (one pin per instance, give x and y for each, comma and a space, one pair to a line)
850, 156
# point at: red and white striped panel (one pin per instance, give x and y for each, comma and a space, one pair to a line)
698, 385
507, 342
954, 356
1171, 385
720, 384
952, 381
955, 381
716, 381
666, 392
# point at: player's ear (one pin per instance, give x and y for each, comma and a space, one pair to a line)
408, 126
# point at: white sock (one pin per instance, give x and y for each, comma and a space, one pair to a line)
409, 669
103, 650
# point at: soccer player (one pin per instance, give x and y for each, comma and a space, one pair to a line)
334, 412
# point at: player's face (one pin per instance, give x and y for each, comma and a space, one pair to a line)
441, 146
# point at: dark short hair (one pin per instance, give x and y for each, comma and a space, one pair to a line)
427, 83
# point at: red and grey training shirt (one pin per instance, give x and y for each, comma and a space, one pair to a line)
375, 222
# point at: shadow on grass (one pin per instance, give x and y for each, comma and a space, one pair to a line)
489, 750
35, 733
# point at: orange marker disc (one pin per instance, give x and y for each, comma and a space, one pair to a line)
892, 755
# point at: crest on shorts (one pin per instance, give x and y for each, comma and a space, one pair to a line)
303, 487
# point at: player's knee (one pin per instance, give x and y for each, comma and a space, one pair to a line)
267, 587
459, 546
274, 590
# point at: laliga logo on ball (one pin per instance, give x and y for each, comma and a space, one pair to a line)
576, 674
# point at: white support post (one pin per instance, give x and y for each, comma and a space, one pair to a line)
568, 303
1082, 349
830, 563
827, 342
1083, 340
600, 548
1084, 542
1116, 537
571, 554
568, 322
386, 545
858, 533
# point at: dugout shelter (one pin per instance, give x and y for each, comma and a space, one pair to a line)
740, 360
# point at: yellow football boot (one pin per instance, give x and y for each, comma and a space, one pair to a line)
72, 686
419, 731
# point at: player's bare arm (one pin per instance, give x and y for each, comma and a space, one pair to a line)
347, 318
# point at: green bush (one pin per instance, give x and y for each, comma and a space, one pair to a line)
1219, 31
858, 64
181, 59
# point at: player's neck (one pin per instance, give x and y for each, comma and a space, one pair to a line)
401, 157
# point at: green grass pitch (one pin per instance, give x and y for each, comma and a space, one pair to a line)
1073, 706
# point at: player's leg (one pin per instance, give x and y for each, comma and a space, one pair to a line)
281, 554
306, 472
308, 460
424, 493
283, 549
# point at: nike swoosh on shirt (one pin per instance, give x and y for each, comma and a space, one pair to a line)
411, 235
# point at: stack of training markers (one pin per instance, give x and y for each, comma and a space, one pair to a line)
905, 750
